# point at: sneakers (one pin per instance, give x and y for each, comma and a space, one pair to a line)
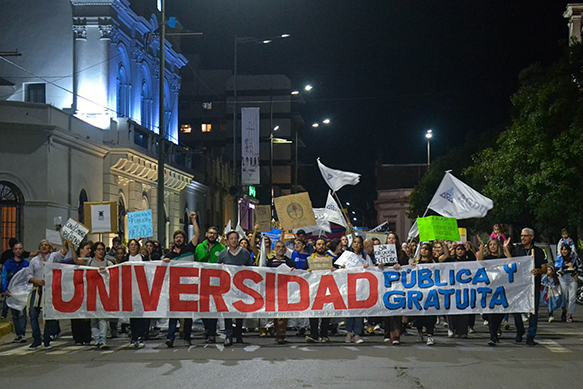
357, 339
141, 343
551, 319
103, 346
471, 330
309, 339
48, 347
169, 343
387, 340
228, 341
396, 343
133, 344
34, 346
506, 326
450, 333
491, 343
348, 337
570, 319
19, 339
430, 341
325, 339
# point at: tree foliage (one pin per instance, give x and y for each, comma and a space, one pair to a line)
534, 173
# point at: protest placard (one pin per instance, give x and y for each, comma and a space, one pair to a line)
349, 259
54, 237
320, 263
463, 234
382, 236
295, 211
74, 231
263, 217
140, 224
101, 217
386, 253
438, 227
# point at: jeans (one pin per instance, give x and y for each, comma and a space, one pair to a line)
354, 325
19, 320
238, 327
34, 313
532, 321
210, 326
5, 308
324, 326
99, 331
187, 329
569, 289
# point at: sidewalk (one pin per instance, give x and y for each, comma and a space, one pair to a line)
6, 327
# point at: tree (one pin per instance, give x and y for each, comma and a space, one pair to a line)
534, 173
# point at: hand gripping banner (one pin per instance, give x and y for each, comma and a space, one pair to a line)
201, 290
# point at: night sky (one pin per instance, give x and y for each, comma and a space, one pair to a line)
383, 71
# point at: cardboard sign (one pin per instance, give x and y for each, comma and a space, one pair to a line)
263, 217
386, 253
349, 259
320, 263
74, 231
295, 211
438, 228
140, 224
54, 237
101, 217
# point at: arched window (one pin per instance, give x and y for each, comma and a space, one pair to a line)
121, 217
80, 207
123, 92
11, 213
146, 106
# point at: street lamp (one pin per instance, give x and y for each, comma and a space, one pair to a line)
428, 135
242, 40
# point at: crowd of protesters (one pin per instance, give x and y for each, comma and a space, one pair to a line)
556, 281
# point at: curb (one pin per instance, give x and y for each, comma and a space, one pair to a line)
5, 327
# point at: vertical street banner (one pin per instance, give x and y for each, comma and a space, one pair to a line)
250, 174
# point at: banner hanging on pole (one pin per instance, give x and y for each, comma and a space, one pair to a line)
250, 173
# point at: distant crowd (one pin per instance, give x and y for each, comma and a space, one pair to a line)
556, 283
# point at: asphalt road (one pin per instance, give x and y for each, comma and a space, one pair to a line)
557, 361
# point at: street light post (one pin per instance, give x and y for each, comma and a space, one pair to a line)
429, 135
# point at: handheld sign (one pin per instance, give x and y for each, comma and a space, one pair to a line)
438, 227
140, 224
54, 237
386, 253
320, 263
295, 211
349, 259
263, 217
74, 231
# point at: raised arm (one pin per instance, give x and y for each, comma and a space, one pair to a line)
507, 248
195, 227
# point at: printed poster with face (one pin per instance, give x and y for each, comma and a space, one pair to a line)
295, 211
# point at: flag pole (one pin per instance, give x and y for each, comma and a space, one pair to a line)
342, 208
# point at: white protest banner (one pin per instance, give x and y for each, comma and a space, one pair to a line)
53, 237
386, 253
349, 259
456, 199
74, 231
140, 224
204, 290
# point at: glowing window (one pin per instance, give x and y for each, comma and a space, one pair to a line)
205, 127
186, 129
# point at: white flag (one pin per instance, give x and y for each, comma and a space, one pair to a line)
413, 232
263, 255
334, 212
336, 179
240, 231
456, 199
227, 228
383, 227
322, 223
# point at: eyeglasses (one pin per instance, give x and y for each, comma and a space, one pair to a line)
525, 236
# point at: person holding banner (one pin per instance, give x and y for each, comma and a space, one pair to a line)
208, 251
425, 257
527, 248
276, 261
36, 278
81, 328
238, 256
319, 261
98, 326
139, 326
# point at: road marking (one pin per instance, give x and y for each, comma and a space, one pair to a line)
252, 348
553, 346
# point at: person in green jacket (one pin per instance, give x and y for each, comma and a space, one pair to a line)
208, 251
